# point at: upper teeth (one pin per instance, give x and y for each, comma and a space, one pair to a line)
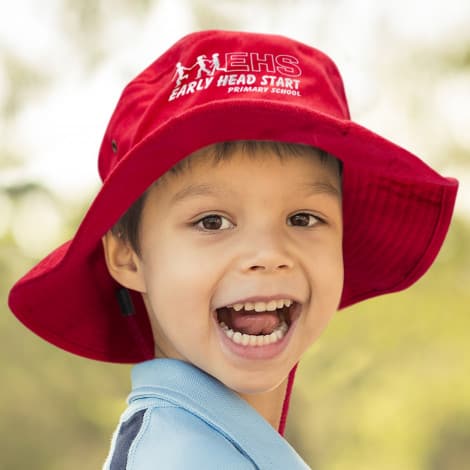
262, 306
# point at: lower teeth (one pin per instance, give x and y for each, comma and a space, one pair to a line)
255, 340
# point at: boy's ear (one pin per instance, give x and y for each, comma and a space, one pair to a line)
123, 263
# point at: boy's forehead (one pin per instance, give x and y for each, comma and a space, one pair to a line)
216, 190
201, 175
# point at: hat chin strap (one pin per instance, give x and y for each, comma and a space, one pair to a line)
285, 405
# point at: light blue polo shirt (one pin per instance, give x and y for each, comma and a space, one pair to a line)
181, 418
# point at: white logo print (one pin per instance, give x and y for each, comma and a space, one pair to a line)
202, 61
241, 73
180, 73
205, 65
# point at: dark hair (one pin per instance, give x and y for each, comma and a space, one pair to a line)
127, 227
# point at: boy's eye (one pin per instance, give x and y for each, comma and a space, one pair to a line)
214, 222
303, 219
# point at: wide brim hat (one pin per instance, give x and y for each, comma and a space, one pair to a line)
216, 86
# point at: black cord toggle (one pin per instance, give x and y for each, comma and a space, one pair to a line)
125, 302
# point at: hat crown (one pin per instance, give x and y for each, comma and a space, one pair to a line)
210, 67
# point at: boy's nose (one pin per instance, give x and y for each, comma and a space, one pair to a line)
268, 266
267, 254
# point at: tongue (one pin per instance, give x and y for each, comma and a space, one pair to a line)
253, 323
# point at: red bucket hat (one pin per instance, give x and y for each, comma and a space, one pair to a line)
216, 86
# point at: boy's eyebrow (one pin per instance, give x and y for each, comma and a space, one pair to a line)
323, 187
198, 190
316, 187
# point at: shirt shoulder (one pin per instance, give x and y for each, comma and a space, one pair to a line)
171, 437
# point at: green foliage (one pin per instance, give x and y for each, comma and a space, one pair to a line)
22, 79
83, 23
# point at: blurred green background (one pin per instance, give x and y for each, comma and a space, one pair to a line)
388, 384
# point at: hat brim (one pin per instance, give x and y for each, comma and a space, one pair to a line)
396, 210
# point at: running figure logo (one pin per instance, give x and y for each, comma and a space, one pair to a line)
207, 66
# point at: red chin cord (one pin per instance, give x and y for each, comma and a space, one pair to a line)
285, 405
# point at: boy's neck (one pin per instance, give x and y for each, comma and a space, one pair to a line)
268, 404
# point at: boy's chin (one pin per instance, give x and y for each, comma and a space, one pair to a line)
256, 385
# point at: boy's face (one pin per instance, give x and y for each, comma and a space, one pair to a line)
247, 229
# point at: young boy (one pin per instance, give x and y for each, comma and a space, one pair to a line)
240, 208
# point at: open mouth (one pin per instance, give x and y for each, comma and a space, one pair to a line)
257, 323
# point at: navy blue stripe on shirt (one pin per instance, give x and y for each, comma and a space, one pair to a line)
127, 433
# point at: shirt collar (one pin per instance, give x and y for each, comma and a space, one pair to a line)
188, 387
